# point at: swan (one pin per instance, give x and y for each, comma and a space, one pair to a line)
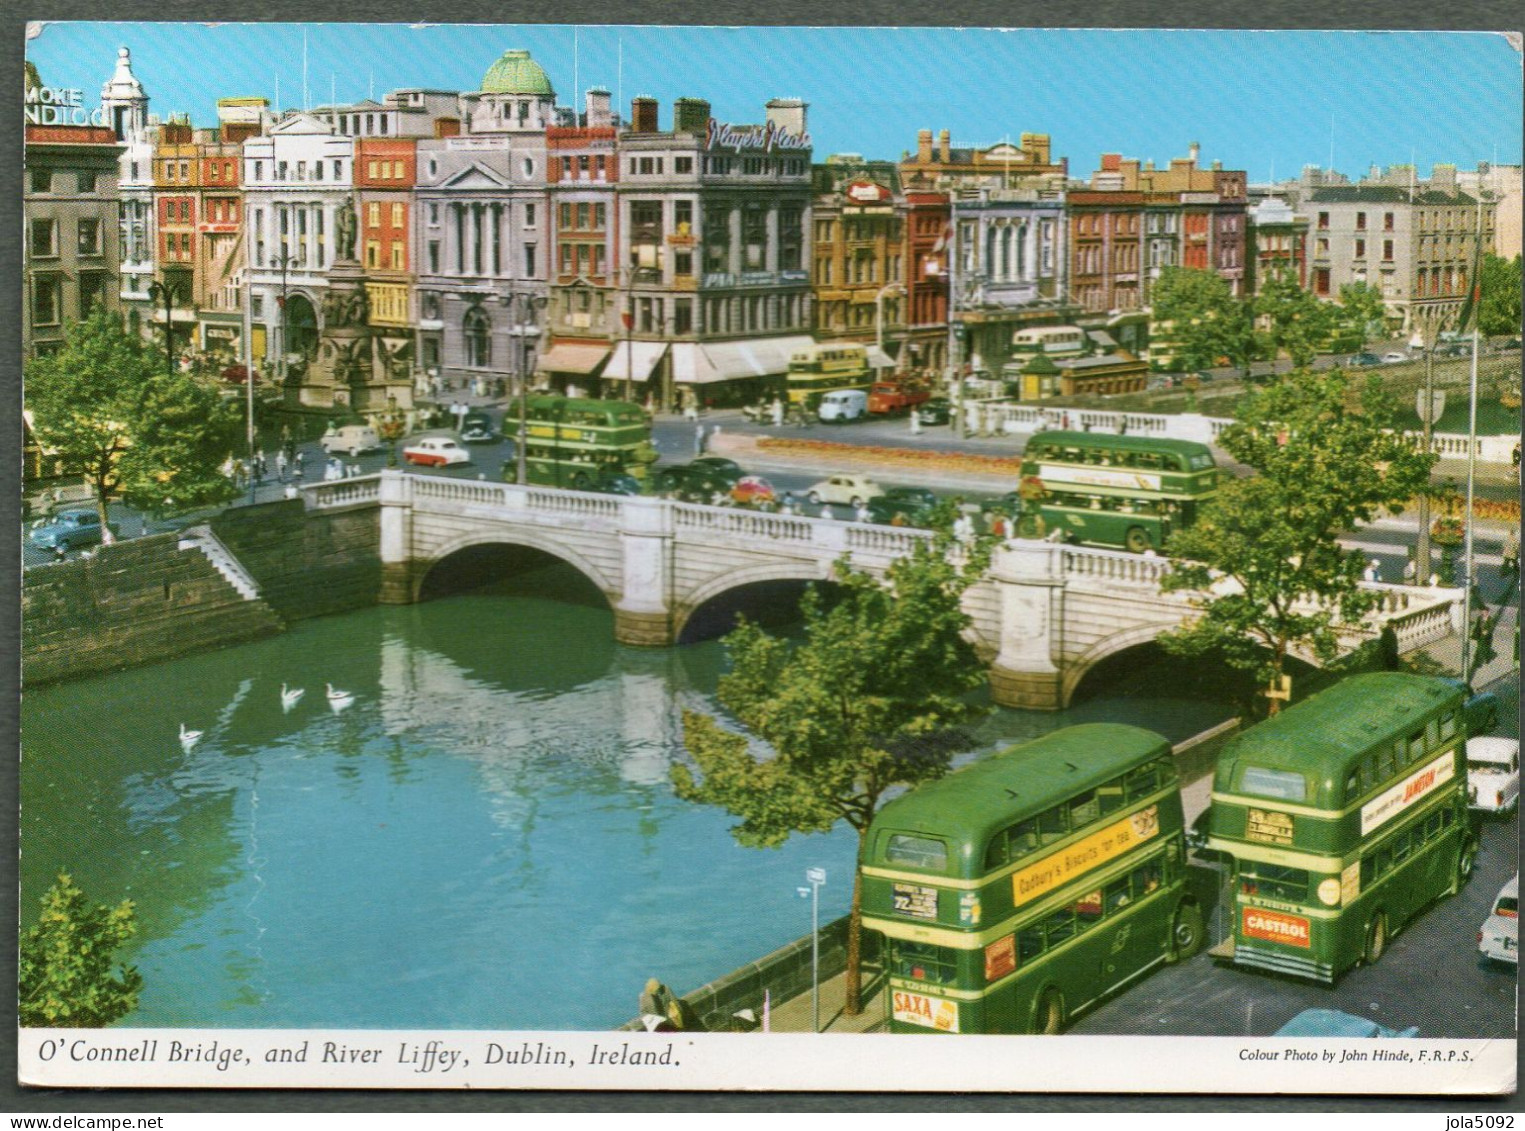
338, 698
290, 697
189, 738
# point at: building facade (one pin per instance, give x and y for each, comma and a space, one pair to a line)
1277, 245
70, 259
858, 227
126, 105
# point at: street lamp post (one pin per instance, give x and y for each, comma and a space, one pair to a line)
1427, 416
887, 289
168, 291
516, 302
282, 262
816, 877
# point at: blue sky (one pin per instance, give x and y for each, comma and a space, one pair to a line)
1259, 101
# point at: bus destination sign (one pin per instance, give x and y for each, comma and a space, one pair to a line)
916, 901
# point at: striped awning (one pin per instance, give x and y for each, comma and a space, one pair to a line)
571, 357
634, 360
745, 357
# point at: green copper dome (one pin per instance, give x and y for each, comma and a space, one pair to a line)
516, 73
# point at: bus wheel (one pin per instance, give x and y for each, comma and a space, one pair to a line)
1186, 933
1138, 539
1464, 863
1376, 940
580, 481
1051, 1013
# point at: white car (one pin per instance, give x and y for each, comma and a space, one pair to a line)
1500, 937
1392, 357
848, 490
436, 451
1493, 774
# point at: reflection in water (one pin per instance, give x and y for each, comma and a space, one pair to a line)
484, 838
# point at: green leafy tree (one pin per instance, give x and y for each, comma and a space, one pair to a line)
65, 967
1362, 312
105, 410
1264, 556
1499, 306
1199, 319
1297, 323
850, 713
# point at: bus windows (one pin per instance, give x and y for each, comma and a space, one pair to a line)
1142, 781
917, 851
1053, 825
1117, 894
1416, 746
1284, 785
1274, 881
1029, 943
1060, 926
1448, 725
923, 962
1110, 798
1088, 908
1084, 809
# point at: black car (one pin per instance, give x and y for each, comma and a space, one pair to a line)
725, 467
695, 482
913, 506
936, 411
1364, 359
476, 428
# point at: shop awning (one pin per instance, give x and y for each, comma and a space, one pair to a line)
746, 357
878, 359
633, 360
568, 357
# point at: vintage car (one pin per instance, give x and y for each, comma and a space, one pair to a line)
436, 451
1493, 774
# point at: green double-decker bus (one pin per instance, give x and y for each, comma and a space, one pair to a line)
1345, 816
1125, 492
582, 443
1017, 891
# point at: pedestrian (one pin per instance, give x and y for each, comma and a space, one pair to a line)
786, 504
698, 440
291, 491
1410, 571
280, 464
1510, 552
998, 525
862, 513
690, 409
776, 409
963, 528
1373, 571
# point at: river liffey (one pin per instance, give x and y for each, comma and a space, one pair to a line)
483, 837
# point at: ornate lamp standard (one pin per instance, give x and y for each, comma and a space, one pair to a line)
169, 291
390, 427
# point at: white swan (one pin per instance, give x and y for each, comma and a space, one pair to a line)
338, 698
189, 738
290, 697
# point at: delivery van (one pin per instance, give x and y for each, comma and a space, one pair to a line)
351, 440
842, 405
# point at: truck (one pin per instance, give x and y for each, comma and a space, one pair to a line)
887, 398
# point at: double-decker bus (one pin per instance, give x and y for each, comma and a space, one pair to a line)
1345, 816
1056, 341
818, 369
1017, 891
581, 443
1119, 491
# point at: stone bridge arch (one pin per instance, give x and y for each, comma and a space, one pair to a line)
525, 537
799, 570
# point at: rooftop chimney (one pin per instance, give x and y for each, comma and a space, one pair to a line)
942, 146
643, 115
788, 114
598, 108
924, 146
1111, 162
691, 116
1193, 151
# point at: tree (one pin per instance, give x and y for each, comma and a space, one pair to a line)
64, 969
1362, 311
1264, 556
1499, 305
1200, 320
1296, 322
105, 410
853, 711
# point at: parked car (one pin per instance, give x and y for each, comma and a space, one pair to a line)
726, 468
65, 530
351, 440
1392, 357
1365, 359
476, 428
849, 490
938, 410
1333, 1023
1493, 774
436, 451
616, 483
912, 506
1481, 710
1499, 939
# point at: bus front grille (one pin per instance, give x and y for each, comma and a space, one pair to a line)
1283, 963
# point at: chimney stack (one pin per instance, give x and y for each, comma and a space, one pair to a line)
788, 114
942, 146
598, 108
924, 146
643, 115
691, 116
1193, 151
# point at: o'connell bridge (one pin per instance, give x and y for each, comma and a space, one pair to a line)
1043, 616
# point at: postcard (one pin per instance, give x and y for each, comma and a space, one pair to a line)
685, 558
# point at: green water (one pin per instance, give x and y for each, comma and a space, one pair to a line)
485, 838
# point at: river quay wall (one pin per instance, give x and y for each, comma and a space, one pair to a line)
245, 574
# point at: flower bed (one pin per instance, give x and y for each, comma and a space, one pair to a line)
904, 457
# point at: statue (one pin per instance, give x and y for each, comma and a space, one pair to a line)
334, 309
359, 307
345, 224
